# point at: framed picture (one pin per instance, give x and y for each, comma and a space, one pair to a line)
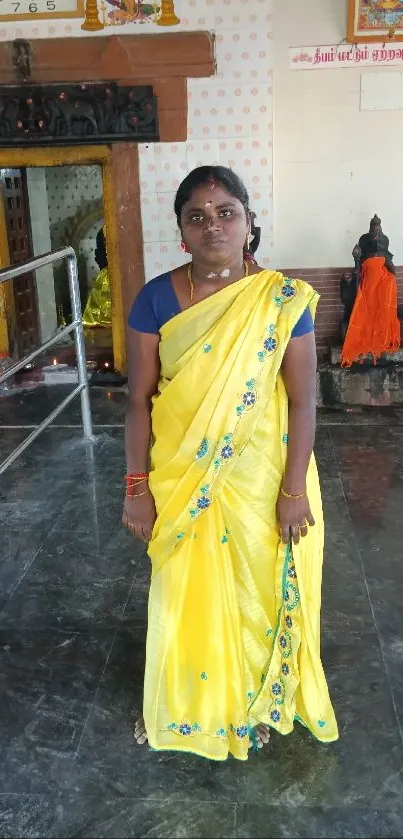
375, 20
40, 9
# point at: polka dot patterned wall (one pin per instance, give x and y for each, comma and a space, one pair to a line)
70, 190
229, 122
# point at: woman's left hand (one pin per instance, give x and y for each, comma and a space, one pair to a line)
294, 516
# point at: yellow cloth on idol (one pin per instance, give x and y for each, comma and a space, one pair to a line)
98, 311
233, 634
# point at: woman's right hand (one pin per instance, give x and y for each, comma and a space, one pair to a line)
139, 515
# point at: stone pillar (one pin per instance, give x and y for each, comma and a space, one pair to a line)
124, 239
40, 230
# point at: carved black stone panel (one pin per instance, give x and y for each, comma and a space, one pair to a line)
36, 115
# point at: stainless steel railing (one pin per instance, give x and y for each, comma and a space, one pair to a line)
76, 326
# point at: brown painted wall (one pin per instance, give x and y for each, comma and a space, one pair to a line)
164, 61
326, 281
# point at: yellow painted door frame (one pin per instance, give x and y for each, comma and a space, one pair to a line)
73, 156
7, 317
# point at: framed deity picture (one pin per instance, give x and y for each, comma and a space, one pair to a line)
40, 9
373, 20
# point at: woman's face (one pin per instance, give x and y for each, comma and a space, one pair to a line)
214, 225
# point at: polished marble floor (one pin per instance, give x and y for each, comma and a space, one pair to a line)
73, 589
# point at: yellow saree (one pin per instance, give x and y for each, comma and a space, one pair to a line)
233, 634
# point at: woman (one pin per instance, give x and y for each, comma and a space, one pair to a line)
222, 376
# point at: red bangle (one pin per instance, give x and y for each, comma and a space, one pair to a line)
133, 483
136, 476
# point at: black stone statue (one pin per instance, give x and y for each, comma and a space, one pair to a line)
373, 243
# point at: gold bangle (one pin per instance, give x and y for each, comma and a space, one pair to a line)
137, 494
292, 497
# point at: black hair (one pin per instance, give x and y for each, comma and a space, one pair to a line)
231, 182
101, 256
256, 233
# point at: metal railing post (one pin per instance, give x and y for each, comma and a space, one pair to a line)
80, 344
76, 326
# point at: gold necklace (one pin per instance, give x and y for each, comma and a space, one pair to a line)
191, 285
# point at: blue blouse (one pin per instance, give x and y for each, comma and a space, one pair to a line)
157, 303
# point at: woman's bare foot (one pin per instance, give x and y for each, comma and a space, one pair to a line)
261, 736
140, 734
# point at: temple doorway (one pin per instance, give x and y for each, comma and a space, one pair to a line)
46, 208
60, 197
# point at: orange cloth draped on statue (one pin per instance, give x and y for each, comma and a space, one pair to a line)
374, 326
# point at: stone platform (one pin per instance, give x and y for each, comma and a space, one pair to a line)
361, 384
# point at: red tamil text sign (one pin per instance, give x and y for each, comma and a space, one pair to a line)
332, 57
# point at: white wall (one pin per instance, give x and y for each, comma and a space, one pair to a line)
334, 165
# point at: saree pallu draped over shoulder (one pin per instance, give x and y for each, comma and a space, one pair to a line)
233, 634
